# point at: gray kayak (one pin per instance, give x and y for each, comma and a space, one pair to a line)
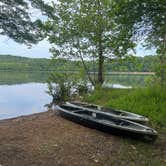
114, 112
106, 122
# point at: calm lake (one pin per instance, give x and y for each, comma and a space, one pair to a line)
24, 93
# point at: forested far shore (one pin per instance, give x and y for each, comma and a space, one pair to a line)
132, 64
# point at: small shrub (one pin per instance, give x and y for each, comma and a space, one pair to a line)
60, 86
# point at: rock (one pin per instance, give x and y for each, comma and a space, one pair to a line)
55, 145
96, 161
133, 147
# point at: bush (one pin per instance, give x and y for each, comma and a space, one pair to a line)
60, 86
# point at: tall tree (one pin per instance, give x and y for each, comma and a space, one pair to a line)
148, 21
86, 29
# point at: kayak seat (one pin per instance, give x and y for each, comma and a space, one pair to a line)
122, 114
77, 111
106, 121
121, 123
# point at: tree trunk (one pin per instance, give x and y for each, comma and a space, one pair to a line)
86, 70
100, 65
163, 62
84, 65
99, 33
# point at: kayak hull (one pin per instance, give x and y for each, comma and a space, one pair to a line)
107, 128
114, 112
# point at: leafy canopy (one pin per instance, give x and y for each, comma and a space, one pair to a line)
147, 18
76, 27
16, 22
86, 29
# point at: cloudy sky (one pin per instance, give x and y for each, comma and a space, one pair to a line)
8, 46
41, 50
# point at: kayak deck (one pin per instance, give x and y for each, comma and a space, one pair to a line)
106, 122
106, 119
114, 112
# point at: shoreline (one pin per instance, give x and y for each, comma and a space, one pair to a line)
47, 139
23, 117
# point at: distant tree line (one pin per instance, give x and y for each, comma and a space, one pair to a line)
132, 64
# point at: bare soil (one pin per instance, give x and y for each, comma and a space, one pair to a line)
46, 139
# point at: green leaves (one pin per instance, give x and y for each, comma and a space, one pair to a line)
16, 23
79, 25
146, 19
87, 29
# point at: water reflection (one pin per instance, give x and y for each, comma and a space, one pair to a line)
23, 99
118, 86
10, 78
15, 77
128, 80
19, 96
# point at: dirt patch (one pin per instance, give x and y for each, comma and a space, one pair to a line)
46, 139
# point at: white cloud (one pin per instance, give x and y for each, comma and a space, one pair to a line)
8, 46
141, 51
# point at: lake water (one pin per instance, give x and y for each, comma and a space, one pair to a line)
24, 93
22, 99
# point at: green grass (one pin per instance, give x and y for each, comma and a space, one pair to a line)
150, 102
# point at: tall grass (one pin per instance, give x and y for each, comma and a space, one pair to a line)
150, 102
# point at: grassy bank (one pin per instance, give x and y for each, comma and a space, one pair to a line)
150, 102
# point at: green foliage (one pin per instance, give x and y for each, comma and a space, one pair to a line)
16, 63
82, 89
16, 22
82, 29
132, 64
60, 86
161, 71
150, 102
146, 19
